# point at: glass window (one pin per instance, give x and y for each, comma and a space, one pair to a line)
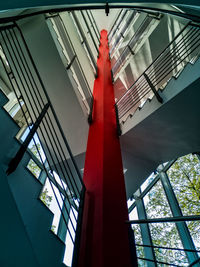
156, 203
184, 176
34, 168
166, 235
138, 238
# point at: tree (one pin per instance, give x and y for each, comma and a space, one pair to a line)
184, 176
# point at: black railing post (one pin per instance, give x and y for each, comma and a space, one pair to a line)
12, 166
159, 98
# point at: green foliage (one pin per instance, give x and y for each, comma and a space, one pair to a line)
185, 179
184, 176
32, 166
46, 199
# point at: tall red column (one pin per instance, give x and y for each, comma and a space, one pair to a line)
104, 234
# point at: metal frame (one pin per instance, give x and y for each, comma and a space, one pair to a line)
177, 218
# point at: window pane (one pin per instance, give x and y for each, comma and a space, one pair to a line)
194, 228
138, 238
156, 203
166, 235
184, 176
34, 168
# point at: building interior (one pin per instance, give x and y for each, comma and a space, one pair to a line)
145, 207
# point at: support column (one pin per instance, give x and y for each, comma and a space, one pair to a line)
104, 236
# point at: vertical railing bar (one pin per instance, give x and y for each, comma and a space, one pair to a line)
178, 58
63, 163
25, 92
27, 122
46, 144
65, 30
173, 56
115, 24
164, 57
162, 53
122, 32
159, 98
140, 31
53, 111
41, 107
85, 42
135, 102
87, 12
95, 24
18, 98
43, 104
88, 29
142, 92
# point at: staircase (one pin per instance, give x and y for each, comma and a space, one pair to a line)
157, 132
26, 238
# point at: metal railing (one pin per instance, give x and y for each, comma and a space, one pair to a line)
122, 32
93, 24
85, 43
129, 49
74, 63
117, 23
56, 158
181, 50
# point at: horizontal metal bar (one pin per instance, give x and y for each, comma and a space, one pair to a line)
179, 249
161, 262
155, 60
167, 219
71, 62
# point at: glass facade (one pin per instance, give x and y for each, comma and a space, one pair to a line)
173, 192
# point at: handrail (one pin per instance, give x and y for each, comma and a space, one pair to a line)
179, 51
166, 219
168, 248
